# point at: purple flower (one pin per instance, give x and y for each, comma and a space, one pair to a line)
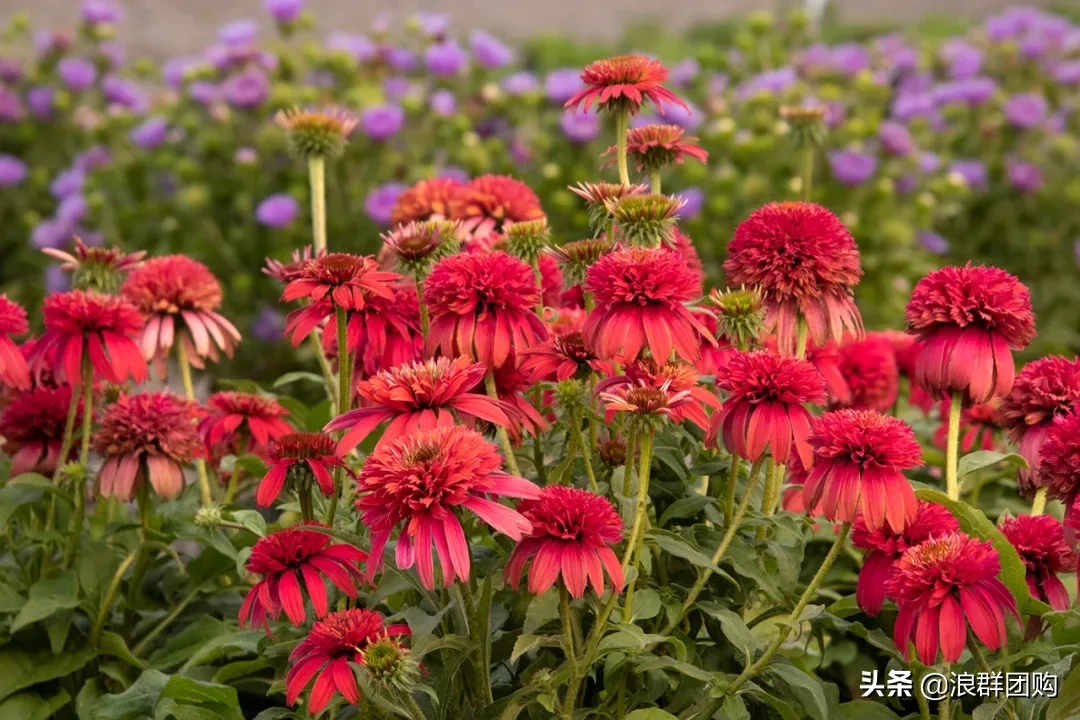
1024, 176
67, 182
11, 107
1026, 110
238, 32
928, 162
895, 138
56, 279
51, 233
91, 159
520, 153
432, 24
1068, 73
453, 173
174, 71
284, 11
933, 243
114, 53
911, 105
718, 84
11, 71
125, 93
443, 102
814, 58
248, 89
906, 184
579, 126
380, 201
277, 211
382, 122
204, 92
835, 113
695, 201
973, 172
151, 133
72, 209
268, 325
399, 58
97, 12
851, 167
47, 42
850, 59
520, 83
688, 118
964, 60
489, 51
77, 73
358, 46
246, 156
898, 55
12, 171
772, 82
396, 87
684, 72
974, 91
562, 84
445, 59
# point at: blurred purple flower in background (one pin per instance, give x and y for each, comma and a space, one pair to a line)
895, 138
396, 87
12, 171
688, 118
380, 201
97, 12
489, 51
246, 156
47, 42
963, 59
11, 71
173, 72
248, 89
399, 58
11, 108
684, 72
562, 84
850, 59
277, 211
204, 92
1026, 110
150, 133
929, 162
973, 172
911, 105
773, 81
77, 73
695, 202
125, 93
51, 233
1024, 176
72, 209
1068, 73
284, 11
114, 53
443, 102
580, 126
268, 324
67, 182
92, 158
431, 24
359, 47
520, 83
56, 279
238, 32
932, 242
973, 91
382, 122
445, 59
851, 167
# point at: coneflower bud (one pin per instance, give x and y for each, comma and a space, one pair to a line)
596, 196
570, 395
209, 516
646, 220
807, 123
576, 257
390, 666
740, 315
418, 245
527, 239
316, 133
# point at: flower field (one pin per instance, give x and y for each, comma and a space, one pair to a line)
404, 374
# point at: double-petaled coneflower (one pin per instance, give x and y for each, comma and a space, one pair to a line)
302, 460
428, 199
32, 427
486, 203
385, 333
674, 377
231, 413
14, 371
562, 356
870, 374
418, 245
1059, 467
1040, 542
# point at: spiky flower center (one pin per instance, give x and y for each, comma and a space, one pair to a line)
304, 445
171, 285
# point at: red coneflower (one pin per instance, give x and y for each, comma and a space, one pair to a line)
713, 355
883, 548
284, 558
488, 202
418, 396
32, 428
792, 499
1045, 389
483, 307
384, 334
674, 378
573, 531
859, 456
653, 147
685, 245
1040, 542
969, 319
179, 296
562, 356
14, 371
104, 323
337, 280
551, 280
624, 82
639, 295
333, 642
805, 262
96, 268
299, 458
826, 360
142, 437
979, 425
420, 480
229, 411
870, 373
1059, 467
906, 350
429, 199
286, 272
942, 586
414, 246
510, 386
764, 408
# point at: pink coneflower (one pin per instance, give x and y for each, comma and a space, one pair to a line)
384, 334
572, 534
675, 377
859, 456
942, 586
98, 268
764, 408
14, 371
286, 272
562, 356
418, 396
229, 413
1059, 467
624, 82
290, 559
805, 262
1040, 542
1045, 389
104, 323
969, 319
826, 360
419, 481
640, 295
429, 199
179, 297
869, 370
32, 428
483, 307
653, 147
644, 400
979, 426
511, 383
883, 548
333, 642
487, 203
299, 458
146, 437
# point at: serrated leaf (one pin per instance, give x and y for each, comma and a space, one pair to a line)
806, 688
980, 459
47, 597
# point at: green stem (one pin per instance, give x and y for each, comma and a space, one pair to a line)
341, 320
729, 535
952, 448
568, 648
418, 279
800, 338
980, 659
69, 432
189, 392
500, 431
110, 595
628, 467
944, 707
637, 534
924, 705
575, 424
1038, 505
411, 705
307, 509
317, 175
165, 622
483, 677
84, 455
324, 367
654, 180
732, 482
622, 121
807, 170
143, 565
591, 646
773, 475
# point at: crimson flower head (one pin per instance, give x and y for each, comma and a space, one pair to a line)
562, 356
764, 408
870, 374
624, 82
969, 319
673, 378
228, 412
103, 322
286, 272
573, 531
980, 426
883, 548
944, 585
654, 147
419, 482
14, 371
1045, 389
483, 307
384, 334
511, 384
32, 428
179, 296
303, 459
859, 456
487, 203
639, 294
419, 395
96, 268
1040, 542
290, 557
150, 436
1059, 466
428, 199
805, 262
333, 642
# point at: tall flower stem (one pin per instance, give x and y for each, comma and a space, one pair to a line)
483, 677
317, 176
592, 645
807, 170
628, 467
952, 483
79, 490
575, 426
418, 280
500, 431
341, 319
411, 705
774, 475
569, 649
189, 392
654, 181
729, 535
142, 499
637, 530
622, 122
69, 432
110, 595
800, 338
980, 659
307, 510
945, 706
324, 367
1038, 505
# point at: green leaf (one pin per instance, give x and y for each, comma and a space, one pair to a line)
114, 645
980, 459
182, 646
194, 692
542, 608
20, 669
428, 644
646, 605
97, 564
679, 546
252, 520
28, 706
785, 711
135, 703
10, 600
239, 669
292, 377
230, 644
686, 507
420, 623
735, 630
13, 497
1066, 706
46, 597
669, 663
734, 708
866, 710
973, 522
253, 465
650, 714
525, 643
806, 688
57, 627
